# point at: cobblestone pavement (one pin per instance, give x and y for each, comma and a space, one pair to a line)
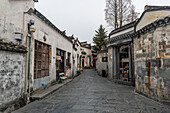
90, 93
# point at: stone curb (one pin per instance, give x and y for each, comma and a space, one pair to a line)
46, 92
152, 98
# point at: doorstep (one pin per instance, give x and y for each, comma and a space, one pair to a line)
43, 93
123, 82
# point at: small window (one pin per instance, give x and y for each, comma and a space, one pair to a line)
58, 52
104, 59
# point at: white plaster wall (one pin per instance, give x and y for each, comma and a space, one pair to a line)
77, 60
122, 32
55, 40
110, 63
88, 52
74, 65
150, 17
11, 17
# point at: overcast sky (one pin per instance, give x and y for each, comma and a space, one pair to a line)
82, 17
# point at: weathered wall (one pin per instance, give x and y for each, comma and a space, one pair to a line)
74, 63
12, 17
12, 72
76, 58
153, 49
11, 77
87, 59
101, 66
55, 40
110, 63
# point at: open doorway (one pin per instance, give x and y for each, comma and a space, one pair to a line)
124, 63
83, 62
60, 62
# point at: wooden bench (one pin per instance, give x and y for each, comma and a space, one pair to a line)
62, 77
125, 78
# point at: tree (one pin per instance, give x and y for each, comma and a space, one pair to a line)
100, 38
132, 15
119, 12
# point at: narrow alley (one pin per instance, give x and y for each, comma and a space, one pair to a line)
90, 93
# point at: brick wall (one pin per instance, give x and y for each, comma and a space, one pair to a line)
152, 63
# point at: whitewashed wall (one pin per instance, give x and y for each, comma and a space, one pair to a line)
12, 17
55, 40
88, 53
150, 17
11, 77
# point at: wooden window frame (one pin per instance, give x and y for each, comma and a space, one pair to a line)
41, 60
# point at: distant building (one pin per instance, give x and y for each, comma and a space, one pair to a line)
76, 56
86, 55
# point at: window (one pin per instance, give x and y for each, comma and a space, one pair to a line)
41, 60
104, 59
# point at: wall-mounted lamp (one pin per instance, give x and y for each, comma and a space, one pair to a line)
110, 56
35, 0
31, 27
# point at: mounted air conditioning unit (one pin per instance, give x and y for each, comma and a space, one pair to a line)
35, 0
18, 36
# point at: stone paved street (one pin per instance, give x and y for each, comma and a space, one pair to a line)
90, 93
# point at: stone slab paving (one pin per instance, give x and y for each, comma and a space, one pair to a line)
90, 93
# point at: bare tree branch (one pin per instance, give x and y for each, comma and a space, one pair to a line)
119, 12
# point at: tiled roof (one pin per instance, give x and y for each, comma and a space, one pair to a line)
129, 25
152, 26
10, 46
150, 9
121, 37
103, 51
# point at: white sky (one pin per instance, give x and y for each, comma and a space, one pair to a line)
83, 17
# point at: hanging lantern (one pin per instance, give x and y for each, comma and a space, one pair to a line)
32, 29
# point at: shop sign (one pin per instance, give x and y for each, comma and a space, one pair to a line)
125, 60
50, 55
58, 57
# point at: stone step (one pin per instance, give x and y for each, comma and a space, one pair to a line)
43, 93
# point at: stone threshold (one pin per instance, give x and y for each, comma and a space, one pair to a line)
123, 82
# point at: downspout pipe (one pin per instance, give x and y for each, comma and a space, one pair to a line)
27, 63
132, 60
30, 33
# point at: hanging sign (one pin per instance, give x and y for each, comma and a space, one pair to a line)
58, 57
50, 55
